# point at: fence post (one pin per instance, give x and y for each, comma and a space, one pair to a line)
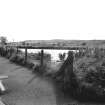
17, 50
25, 55
10, 51
42, 57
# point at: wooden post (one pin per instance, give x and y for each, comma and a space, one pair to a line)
2, 51
6, 48
17, 50
42, 57
10, 51
25, 55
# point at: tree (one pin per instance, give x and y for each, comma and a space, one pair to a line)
3, 40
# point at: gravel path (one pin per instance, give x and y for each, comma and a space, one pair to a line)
20, 92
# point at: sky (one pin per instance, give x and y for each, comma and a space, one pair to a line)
52, 19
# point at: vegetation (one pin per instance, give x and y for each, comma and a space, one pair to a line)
90, 73
87, 81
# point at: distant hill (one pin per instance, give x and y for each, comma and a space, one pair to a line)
58, 42
65, 43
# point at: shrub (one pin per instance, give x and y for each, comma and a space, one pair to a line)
29, 64
96, 77
36, 68
39, 69
13, 58
86, 91
103, 63
19, 60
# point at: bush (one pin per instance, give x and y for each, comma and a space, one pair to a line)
13, 58
20, 60
8, 55
103, 63
17, 59
96, 77
29, 65
36, 68
86, 91
39, 69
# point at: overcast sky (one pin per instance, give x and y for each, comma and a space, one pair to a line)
52, 19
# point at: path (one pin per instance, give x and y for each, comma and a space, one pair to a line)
20, 92
41, 91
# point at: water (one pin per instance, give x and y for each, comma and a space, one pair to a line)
54, 53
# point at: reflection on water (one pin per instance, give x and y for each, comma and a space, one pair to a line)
54, 53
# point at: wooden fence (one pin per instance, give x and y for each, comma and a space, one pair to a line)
42, 50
